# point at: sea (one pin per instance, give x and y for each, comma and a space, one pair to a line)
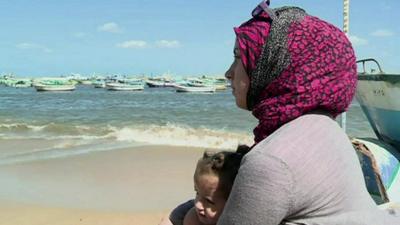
44, 125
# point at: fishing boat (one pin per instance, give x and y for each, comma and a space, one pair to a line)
17, 83
379, 96
184, 88
53, 84
99, 83
23, 83
159, 82
219, 84
126, 85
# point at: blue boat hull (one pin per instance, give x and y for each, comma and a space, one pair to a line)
386, 123
379, 97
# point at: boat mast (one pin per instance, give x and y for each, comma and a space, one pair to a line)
346, 6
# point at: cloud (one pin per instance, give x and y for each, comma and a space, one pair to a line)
133, 44
144, 44
357, 41
28, 46
382, 33
110, 27
168, 44
79, 34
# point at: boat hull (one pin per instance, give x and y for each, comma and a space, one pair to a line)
124, 87
54, 87
194, 89
379, 97
157, 84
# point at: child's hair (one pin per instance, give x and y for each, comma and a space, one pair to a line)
224, 165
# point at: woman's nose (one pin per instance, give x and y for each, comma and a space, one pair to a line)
228, 74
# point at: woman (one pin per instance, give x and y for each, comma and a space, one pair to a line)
296, 73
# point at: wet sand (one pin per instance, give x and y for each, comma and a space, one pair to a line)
126, 186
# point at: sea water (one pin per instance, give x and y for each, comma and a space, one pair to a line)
94, 119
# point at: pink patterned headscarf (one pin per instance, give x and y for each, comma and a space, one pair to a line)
296, 64
251, 38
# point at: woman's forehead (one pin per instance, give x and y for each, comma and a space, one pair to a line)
236, 44
236, 49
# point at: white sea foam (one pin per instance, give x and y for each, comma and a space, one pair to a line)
21, 126
169, 134
176, 135
114, 137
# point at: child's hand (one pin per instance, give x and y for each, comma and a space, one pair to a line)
191, 218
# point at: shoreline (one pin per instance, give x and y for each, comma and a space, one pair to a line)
122, 186
20, 214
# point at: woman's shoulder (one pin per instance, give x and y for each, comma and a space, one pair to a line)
305, 130
311, 136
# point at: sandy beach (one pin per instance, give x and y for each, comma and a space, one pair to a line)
126, 186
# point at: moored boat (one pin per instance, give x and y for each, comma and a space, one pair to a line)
42, 87
99, 83
159, 82
53, 84
379, 96
125, 85
182, 88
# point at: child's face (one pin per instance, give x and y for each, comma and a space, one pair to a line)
209, 201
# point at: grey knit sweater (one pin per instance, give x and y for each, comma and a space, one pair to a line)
306, 172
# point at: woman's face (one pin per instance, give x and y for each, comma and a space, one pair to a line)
210, 201
239, 79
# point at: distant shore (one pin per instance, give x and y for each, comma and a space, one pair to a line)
126, 186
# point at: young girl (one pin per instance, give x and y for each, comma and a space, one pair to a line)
213, 180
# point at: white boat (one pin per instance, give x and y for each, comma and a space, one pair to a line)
125, 85
154, 83
19, 83
99, 83
53, 84
379, 96
195, 82
159, 82
219, 84
181, 88
65, 87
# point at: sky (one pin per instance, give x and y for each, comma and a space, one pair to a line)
179, 37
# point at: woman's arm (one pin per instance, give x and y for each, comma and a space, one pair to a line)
261, 194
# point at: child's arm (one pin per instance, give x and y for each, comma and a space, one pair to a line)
165, 221
191, 218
